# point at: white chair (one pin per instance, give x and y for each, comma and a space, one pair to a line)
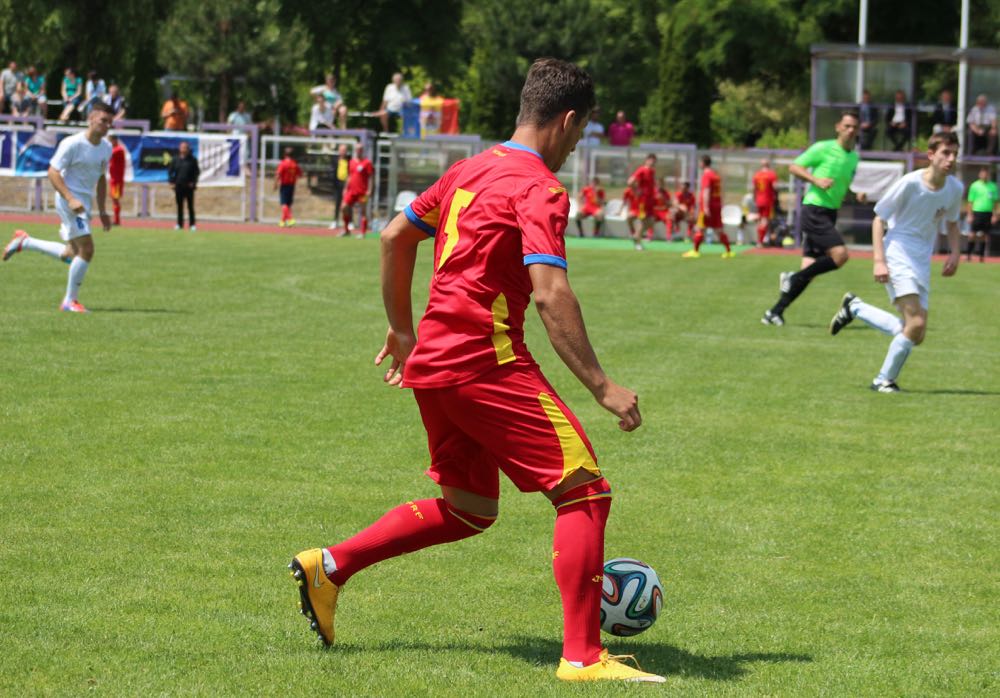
404, 199
574, 207
615, 210
732, 222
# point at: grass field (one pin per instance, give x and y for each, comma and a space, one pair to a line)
162, 458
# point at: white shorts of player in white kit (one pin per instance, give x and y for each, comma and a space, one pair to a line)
905, 281
72, 225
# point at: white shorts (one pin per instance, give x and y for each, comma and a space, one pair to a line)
71, 224
905, 283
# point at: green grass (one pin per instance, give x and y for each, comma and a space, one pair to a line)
162, 458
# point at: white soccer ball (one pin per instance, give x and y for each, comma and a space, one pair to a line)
631, 597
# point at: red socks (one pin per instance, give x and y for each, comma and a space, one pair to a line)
578, 564
364, 224
117, 208
406, 528
286, 213
347, 219
761, 232
699, 237
724, 239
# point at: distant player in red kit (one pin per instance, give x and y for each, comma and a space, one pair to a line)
709, 210
359, 188
285, 177
634, 204
764, 196
645, 177
684, 207
116, 177
663, 209
591, 204
497, 222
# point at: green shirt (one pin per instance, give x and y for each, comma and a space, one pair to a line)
983, 196
828, 159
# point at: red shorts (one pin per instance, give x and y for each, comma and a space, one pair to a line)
115, 188
586, 211
766, 209
661, 214
509, 419
712, 220
355, 197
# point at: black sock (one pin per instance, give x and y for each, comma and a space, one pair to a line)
802, 278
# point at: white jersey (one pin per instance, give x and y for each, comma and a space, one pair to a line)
914, 214
81, 164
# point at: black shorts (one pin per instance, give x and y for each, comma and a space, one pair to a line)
287, 194
981, 221
819, 230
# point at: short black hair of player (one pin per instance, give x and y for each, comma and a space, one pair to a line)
101, 106
706, 160
553, 87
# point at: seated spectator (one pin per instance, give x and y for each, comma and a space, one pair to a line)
72, 93
333, 98
321, 115
867, 121
174, 113
94, 91
116, 101
945, 114
8, 83
620, 131
897, 121
240, 117
396, 94
982, 121
594, 130
35, 85
20, 102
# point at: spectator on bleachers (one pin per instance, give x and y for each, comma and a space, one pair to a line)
72, 93
321, 115
240, 116
8, 83
94, 91
621, 130
867, 121
982, 121
20, 103
594, 130
329, 92
174, 113
116, 100
897, 121
35, 85
394, 96
945, 114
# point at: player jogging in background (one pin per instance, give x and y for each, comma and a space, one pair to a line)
984, 210
912, 211
359, 188
591, 204
644, 178
497, 221
765, 196
833, 164
709, 211
76, 169
285, 177
116, 177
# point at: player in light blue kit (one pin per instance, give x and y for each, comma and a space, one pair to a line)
913, 209
78, 167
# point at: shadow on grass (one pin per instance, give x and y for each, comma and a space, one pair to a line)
658, 657
140, 310
944, 391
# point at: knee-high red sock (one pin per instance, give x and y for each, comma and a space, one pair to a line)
285, 215
347, 218
408, 527
761, 232
578, 564
117, 208
364, 224
699, 237
724, 239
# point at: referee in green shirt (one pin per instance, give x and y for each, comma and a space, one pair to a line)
984, 206
833, 164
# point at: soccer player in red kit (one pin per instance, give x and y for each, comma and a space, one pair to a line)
764, 196
116, 177
709, 210
663, 209
591, 204
359, 188
635, 205
285, 177
684, 207
497, 221
645, 177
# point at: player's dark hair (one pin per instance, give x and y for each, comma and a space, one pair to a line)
706, 160
651, 156
288, 152
101, 106
553, 87
939, 139
853, 113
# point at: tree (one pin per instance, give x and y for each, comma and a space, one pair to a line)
684, 95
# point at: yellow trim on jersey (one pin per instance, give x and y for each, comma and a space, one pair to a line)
557, 190
501, 341
432, 217
600, 495
469, 523
575, 453
499, 153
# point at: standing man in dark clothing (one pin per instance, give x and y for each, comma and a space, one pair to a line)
183, 176
898, 118
339, 169
868, 117
945, 114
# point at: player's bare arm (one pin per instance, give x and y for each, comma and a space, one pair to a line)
879, 269
102, 197
560, 312
954, 244
56, 178
804, 174
399, 256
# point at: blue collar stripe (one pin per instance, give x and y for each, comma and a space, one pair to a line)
517, 146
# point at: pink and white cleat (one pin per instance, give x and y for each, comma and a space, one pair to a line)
15, 245
73, 307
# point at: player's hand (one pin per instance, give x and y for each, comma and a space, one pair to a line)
951, 265
969, 217
105, 221
881, 272
398, 345
823, 182
623, 403
75, 205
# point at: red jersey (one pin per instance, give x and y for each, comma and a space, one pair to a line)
764, 193
685, 198
116, 165
635, 202
491, 216
662, 200
646, 178
592, 197
288, 171
359, 174
712, 183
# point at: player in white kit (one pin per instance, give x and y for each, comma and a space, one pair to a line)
913, 209
78, 166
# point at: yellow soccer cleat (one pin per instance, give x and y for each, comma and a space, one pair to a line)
608, 668
691, 254
728, 255
319, 594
